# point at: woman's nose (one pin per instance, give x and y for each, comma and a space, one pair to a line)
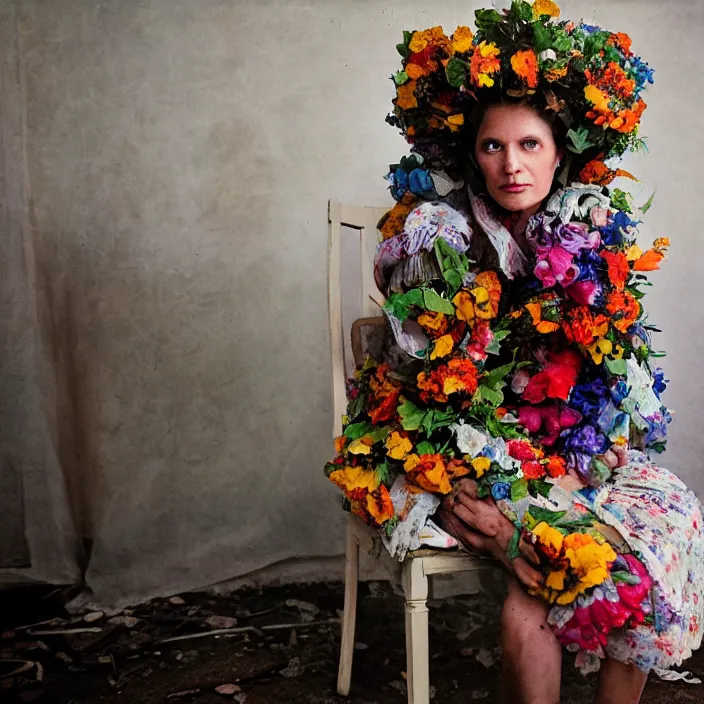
511, 161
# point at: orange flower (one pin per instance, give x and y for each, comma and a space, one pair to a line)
340, 443
462, 40
428, 472
457, 468
625, 309
536, 313
464, 306
556, 466
525, 65
391, 224
433, 323
405, 96
433, 36
545, 7
385, 393
618, 268
483, 63
458, 375
583, 327
379, 505
622, 41
597, 172
443, 347
612, 79
649, 261
489, 281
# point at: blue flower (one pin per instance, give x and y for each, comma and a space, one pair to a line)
619, 391
642, 73
591, 266
613, 232
659, 381
421, 184
501, 490
589, 28
589, 398
399, 183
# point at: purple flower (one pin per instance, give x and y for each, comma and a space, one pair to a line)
590, 398
586, 439
555, 266
576, 236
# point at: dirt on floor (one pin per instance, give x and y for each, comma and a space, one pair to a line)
275, 645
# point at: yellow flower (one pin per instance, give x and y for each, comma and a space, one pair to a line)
464, 306
443, 347
452, 384
351, 478
360, 447
597, 97
462, 39
397, 446
618, 353
432, 321
556, 580
599, 348
634, 252
455, 122
549, 536
481, 465
545, 7
419, 41
405, 96
489, 51
661, 242
412, 461
485, 81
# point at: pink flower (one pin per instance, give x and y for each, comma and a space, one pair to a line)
555, 266
552, 418
599, 216
584, 292
556, 379
480, 340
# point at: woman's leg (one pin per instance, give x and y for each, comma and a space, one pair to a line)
619, 683
531, 655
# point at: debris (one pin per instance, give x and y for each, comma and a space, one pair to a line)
308, 624
228, 689
399, 686
361, 646
433, 691
177, 601
240, 698
93, 616
480, 694
65, 631
8, 635
221, 621
485, 657
126, 621
293, 639
219, 631
302, 606
293, 669
184, 693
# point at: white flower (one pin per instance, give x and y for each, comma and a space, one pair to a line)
470, 441
548, 55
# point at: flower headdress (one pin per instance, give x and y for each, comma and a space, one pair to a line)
587, 76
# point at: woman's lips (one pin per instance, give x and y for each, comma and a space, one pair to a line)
515, 187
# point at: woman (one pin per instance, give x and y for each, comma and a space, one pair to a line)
528, 390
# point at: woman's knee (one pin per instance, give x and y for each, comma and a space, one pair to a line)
523, 615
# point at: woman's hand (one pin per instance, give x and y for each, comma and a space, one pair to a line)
478, 524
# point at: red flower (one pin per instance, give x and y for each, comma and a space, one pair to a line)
522, 450
618, 268
533, 470
556, 379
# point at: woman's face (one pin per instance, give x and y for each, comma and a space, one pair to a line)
517, 154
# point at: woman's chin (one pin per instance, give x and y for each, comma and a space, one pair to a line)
516, 202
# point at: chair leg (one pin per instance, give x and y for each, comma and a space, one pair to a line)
415, 587
344, 672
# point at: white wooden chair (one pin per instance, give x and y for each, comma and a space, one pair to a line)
348, 314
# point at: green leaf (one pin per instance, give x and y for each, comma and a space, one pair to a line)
437, 303
625, 577
616, 366
383, 473
578, 140
646, 207
485, 19
357, 430
486, 393
541, 37
400, 77
544, 514
522, 10
496, 378
562, 43
621, 200
390, 525
378, 434
512, 552
453, 278
411, 415
414, 297
494, 347
456, 72
425, 448
519, 489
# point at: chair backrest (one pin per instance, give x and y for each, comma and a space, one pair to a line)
352, 293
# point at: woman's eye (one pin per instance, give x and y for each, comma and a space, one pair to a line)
491, 146
530, 144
